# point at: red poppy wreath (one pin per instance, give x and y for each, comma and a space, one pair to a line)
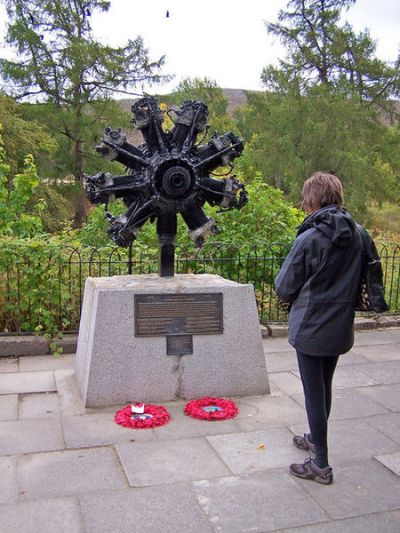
211, 409
150, 417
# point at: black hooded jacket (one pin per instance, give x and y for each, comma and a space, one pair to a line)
320, 278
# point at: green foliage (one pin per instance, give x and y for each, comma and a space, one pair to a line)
42, 282
59, 207
96, 117
94, 230
59, 62
15, 219
325, 111
266, 218
27, 206
60, 58
44, 277
384, 222
39, 297
321, 51
23, 136
207, 91
322, 131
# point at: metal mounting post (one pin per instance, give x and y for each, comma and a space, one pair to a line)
166, 232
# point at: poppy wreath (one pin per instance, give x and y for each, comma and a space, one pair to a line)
153, 416
211, 409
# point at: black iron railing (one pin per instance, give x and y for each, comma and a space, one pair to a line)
47, 293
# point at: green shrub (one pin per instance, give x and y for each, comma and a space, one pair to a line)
34, 297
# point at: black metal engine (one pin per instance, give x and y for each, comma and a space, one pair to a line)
167, 174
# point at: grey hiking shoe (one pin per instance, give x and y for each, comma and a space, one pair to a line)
303, 443
309, 470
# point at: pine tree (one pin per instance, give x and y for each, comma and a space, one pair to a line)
60, 62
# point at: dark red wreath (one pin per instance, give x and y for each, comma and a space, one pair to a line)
211, 409
153, 416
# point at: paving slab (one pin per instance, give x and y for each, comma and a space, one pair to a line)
70, 472
215, 476
281, 361
68, 392
247, 407
347, 376
45, 516
383, 373
371, 523
396, 514
391, 461
288, 382
22, 382
98, 410
352, 358
362, 487
263, 502
46, 362
387, 395
380, 336
257, 450
38, 405
30, 436
349, 403
85, 431
275, 390
388, 424
271, 412
8, 477
154, 463
275, 345
8, 364
386, 352
9, 407
169, 508
350, 439
183, 425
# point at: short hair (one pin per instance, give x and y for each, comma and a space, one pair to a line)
321, 189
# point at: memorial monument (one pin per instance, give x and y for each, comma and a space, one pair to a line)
164, 337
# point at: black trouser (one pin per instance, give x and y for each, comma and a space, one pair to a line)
316, 375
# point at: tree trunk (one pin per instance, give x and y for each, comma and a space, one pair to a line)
81, 205
81, 209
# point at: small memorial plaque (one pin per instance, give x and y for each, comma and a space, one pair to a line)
179, 344
178, 314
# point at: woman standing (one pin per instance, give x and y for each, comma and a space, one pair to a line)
320, 280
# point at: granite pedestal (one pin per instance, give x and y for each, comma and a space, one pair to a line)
114, 366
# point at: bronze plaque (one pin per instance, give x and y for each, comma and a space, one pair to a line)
178, 314
179, 344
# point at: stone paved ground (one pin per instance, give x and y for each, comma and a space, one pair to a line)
66, 469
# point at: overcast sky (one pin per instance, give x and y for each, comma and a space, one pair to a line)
226, 40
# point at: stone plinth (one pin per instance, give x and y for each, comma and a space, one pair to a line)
113, 366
